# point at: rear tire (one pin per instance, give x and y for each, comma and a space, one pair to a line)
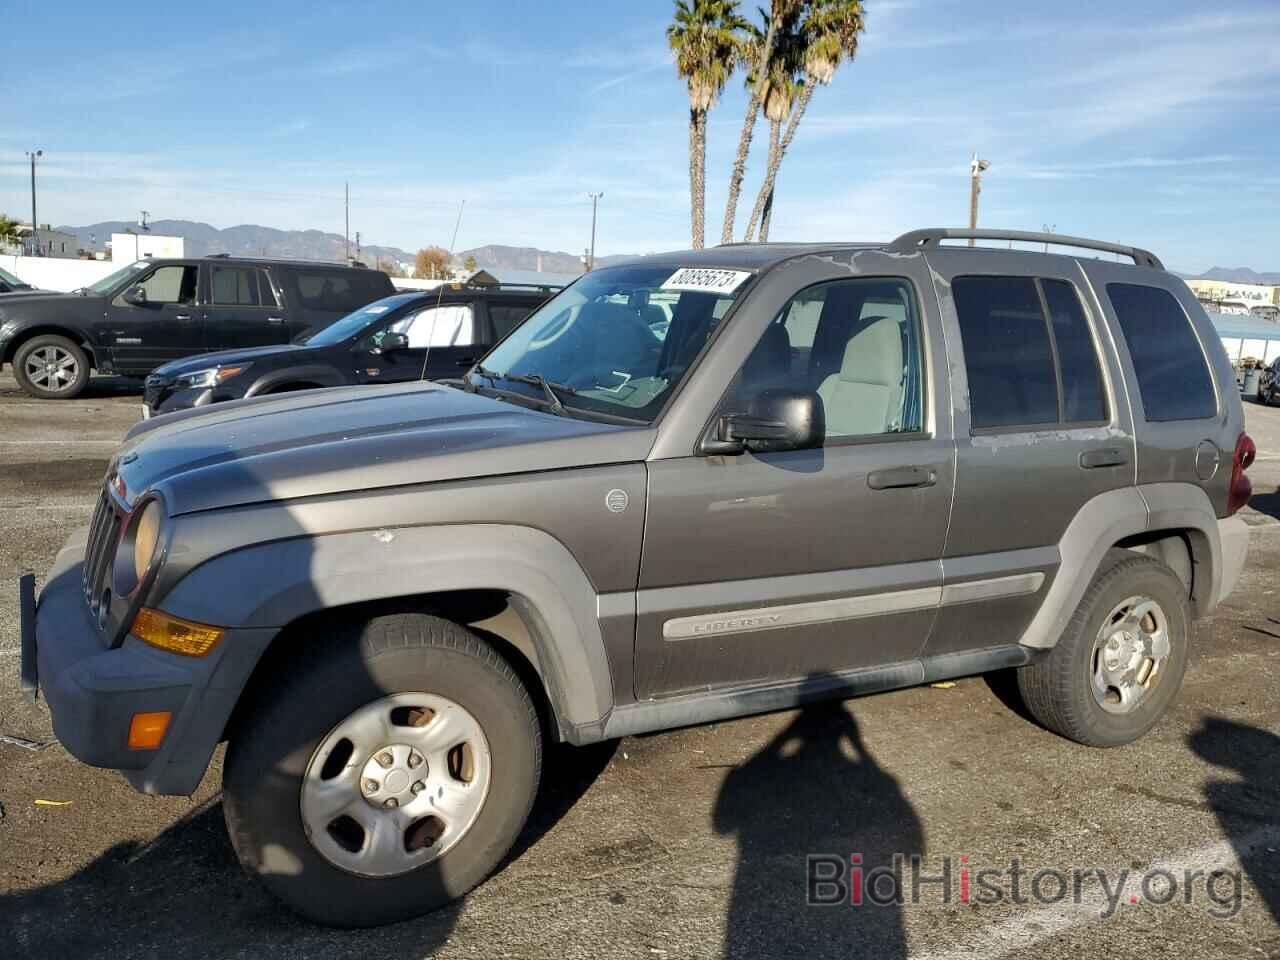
50, 367
287, 756
1102, 684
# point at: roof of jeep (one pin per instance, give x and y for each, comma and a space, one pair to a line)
759, 256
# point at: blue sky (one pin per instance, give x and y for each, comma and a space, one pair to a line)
1153, 123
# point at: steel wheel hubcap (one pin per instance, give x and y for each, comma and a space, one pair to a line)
1129, 654
51, 368
396, 784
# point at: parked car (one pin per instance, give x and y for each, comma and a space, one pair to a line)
843, 469
154, 311
11, 284
407, 336
1269, 383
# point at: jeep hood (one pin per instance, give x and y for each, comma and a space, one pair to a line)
355, 439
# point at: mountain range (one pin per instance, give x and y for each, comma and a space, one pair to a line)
251, 240
258, 241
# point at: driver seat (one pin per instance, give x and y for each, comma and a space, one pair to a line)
865, 397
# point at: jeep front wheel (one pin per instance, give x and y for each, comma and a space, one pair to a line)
1121, 659
50, 367
386, 775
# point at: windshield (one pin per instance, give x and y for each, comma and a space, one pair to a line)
113, 280
11, 280
621, 338
353, 323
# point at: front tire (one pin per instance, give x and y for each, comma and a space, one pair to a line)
385, 773
1120, 661
50, 367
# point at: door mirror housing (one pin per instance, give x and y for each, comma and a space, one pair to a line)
776, 419
136, 295
391, 342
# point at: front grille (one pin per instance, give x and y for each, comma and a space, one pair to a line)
99, 552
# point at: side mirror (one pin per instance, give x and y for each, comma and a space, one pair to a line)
776, 419
136, 295
392, 342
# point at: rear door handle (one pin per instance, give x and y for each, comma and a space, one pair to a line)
1106, 457
182, 316
466, 362
899, 477
275, 319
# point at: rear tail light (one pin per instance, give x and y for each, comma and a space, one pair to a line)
1241, 489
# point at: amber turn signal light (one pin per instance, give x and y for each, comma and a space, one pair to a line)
175, 634
146, 730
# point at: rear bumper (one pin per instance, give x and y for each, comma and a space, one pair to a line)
93, 692
1233, 533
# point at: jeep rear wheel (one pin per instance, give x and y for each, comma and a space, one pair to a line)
1121, 659
50, 367
386, 775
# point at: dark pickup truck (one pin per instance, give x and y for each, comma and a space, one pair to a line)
154, 311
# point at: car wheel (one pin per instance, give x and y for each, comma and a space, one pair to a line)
1120, 661
385, 773
51, 368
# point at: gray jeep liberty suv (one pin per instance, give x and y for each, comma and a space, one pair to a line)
838, 469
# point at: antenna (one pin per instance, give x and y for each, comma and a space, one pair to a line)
440, 294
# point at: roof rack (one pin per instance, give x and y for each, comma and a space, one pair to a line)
917, 240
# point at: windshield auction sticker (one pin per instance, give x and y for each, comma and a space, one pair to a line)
708, 281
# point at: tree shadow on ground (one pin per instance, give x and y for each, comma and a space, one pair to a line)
184, 894
814, 789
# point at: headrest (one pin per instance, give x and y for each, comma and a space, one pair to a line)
874, 354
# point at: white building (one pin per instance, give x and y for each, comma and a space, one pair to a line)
128, 247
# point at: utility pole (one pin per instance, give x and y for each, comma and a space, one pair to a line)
357, 244
35, 224
1049, 228
977, 168
346, 220
591, 257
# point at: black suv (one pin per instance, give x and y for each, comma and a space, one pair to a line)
154, 311
434, 334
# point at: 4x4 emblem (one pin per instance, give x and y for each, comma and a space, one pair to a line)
616, 500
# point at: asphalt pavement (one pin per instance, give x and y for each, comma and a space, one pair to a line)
694, 843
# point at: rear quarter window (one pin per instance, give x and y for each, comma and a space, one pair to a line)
1173, 375
340, 291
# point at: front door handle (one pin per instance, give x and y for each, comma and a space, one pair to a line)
275, 319
899, 477
467, 362
182, 316
1106, 457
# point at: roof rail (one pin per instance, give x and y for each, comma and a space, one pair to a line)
917, 240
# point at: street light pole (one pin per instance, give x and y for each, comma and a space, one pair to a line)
591, 257
35, 230
977, 168
346, 221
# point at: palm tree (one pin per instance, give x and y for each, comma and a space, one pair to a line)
756, 47
782, 88
826, 36
704, 38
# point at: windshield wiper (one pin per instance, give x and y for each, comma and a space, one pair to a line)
549, 387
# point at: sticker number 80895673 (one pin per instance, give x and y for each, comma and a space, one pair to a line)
705, 280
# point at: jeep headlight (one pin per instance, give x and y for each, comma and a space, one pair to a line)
146, 537
211, 376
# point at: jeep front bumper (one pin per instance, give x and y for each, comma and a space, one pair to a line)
93, 691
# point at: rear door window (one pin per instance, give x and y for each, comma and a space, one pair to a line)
507, 316
1173, 375
1029, 353
238, 286
1006, 352
1082, 396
